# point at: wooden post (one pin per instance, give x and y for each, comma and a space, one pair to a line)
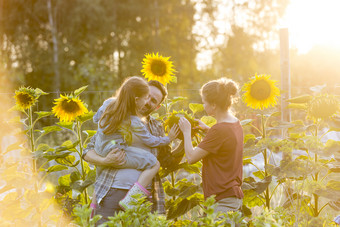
285, 74
54, 33
285, 94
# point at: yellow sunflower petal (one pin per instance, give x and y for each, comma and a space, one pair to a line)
157, 67
260, 92
67, 108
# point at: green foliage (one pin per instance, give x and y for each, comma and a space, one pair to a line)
180, 205
309, 179
273, 218
83, 213
139, 215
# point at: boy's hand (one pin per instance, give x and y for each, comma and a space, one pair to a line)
174, 131
115, 158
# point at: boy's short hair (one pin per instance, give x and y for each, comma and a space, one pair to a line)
160, 86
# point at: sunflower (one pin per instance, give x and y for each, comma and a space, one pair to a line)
157, 67
323, 106
67, 108
260, 92
174, 118
25, 97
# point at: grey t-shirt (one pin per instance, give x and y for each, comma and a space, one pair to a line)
125, 178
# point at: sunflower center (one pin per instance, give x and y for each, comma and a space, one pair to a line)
25, 99
158, 68
70, 106
260, 90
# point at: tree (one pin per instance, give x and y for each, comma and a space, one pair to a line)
98, 42
249, 39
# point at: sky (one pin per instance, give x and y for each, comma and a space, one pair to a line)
309, 23
313, 22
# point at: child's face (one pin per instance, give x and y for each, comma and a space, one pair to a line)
141, 101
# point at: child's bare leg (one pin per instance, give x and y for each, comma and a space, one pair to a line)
145, 178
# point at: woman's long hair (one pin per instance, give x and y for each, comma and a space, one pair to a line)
125, 104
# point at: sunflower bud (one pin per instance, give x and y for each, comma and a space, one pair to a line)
323, 106
25, 97
174, 118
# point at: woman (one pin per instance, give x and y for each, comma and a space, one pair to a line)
221, 149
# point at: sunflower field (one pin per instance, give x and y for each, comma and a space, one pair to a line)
291, 169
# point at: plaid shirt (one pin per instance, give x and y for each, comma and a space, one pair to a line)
105, 180
156, 128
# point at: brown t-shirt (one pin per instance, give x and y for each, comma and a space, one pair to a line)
223, 168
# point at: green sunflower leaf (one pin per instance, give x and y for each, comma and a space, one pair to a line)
298, 106
80, 90
15, 146
196, 107
259, 174
67, 145
301, 99
56, 168
50, 155
68, 125
44, 147
49, 129
42, 114
194, 168
85, 117
246, 122
66, 161
208, 120
169, 190
39, 92
182, 206
90, 133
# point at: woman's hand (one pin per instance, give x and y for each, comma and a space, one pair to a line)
202, 126
184, 125
174, 131
115, 158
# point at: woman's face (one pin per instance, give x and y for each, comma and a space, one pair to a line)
209, 108
141, 101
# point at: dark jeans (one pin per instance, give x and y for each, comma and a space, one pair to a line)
109, 205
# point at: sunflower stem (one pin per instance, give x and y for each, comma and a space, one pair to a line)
267, 194
32, 145
81, 159
316, 197
173, 183
256, 129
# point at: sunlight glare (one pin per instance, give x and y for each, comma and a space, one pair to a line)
313, 22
